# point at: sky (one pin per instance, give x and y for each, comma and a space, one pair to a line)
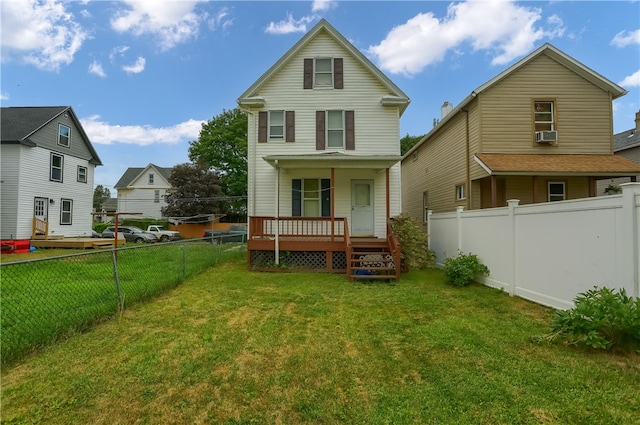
142, 76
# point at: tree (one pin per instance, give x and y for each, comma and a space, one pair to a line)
195, 190
222, 145
407, 142
100, 195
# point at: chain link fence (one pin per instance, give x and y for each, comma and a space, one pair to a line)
45, 299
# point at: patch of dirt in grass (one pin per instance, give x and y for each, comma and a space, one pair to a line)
542, 416
240, 317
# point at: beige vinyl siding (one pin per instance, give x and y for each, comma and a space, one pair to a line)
583, 111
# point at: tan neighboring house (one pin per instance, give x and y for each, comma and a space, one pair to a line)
540, 131
627, 145
323, 158
143, 189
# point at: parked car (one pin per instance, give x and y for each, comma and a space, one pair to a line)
131, 234
236, 233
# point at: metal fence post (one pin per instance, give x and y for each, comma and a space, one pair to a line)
117, 279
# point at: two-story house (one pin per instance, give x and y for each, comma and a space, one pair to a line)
323, 155
625, 144
540, 131
47, 164
143, 189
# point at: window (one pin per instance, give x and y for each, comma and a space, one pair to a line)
57, 162
556, 191
311, 197
335, 129
66, 211
156, 196
151, 178
82, 174
276, 125
461, 192
425, 206
544, 119
64, 135
323, 73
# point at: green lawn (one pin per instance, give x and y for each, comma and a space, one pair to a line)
236, 347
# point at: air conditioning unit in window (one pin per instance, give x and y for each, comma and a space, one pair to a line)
546, 136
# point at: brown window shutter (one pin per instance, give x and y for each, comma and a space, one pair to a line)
262, 126
337, 73
308, 73
290, 132
320, 143
350, 139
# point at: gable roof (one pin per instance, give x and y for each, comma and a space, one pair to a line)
132, 173
18, 123
626, 140
548, 50
398, 96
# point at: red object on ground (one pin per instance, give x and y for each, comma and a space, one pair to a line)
15, 246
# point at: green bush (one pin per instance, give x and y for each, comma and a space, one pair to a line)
602, 318
463, 269
413, 242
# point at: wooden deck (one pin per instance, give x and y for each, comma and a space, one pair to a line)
76, 243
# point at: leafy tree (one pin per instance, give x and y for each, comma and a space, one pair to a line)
222, 145
407, 142
195, 190
100, 195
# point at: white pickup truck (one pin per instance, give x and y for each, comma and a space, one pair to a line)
163, 234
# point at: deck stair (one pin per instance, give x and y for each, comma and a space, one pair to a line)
371, 259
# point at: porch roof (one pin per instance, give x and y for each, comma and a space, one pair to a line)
557, 164
332, 160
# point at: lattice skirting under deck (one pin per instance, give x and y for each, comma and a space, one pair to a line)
304, 260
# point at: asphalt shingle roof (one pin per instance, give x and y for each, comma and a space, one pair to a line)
557, 164
131, 173
18, 123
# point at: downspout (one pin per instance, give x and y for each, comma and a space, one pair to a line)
468, 159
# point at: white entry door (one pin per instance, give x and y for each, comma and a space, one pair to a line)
40, 208
362, 217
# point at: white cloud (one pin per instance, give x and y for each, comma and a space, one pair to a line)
40, 32
137, 67
625, 38
323, 5
289, 25
632, 80
4, 96
103, 133
220, 20
171, 22
96, 68
117, 52
503, 28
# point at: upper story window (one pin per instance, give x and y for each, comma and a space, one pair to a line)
556, 191
323, 73
335, 129
57, 163
64, 135
544, 116
276, 125
82, 174
151, 176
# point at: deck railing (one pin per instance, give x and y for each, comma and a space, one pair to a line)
39, 228
394, 247
302, 227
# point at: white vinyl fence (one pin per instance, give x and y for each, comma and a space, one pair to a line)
549, 253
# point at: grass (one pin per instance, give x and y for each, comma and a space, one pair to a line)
44, 299
236, 347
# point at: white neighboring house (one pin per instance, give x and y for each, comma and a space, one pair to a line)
143, 190
323, 150
46, 166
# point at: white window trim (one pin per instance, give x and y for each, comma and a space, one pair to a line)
156, 196
461, 192
425, 206
52, 167
151, 178
343, 129
69, 203
318, 198
284, 127
68, 144
80, 175
564, 192
552, 112
315, 73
